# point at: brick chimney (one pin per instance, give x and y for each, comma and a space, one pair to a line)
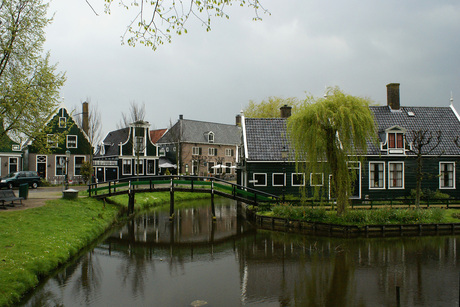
85, 117
285, 111
238, 120
393, 96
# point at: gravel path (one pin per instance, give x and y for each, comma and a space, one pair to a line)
38, 196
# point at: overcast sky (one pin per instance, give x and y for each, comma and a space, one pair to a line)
302, 47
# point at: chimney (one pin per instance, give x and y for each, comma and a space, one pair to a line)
238, 120
85, 116
181, 116
393, 96
285, 111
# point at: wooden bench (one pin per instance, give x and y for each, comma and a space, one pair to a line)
7, 197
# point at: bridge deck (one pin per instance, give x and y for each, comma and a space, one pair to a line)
194, 184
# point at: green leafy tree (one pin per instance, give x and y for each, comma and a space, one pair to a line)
29, 84
329, 133
86, 171
156, 21
270, 108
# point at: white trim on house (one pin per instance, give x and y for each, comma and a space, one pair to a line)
279, 185
402, 175
255, 181
453, 176
383, 173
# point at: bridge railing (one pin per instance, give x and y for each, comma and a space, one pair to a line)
192, 183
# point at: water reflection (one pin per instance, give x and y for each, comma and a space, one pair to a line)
152, 262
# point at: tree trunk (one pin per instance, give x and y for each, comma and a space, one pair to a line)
418, 188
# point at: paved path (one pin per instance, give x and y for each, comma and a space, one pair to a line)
37, 197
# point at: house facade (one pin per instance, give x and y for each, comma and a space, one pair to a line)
10, 155
127, 152
201, 148
61, 149
388, 170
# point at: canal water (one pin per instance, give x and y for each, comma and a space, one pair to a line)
194, 261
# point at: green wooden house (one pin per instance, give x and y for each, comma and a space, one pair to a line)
10, 155
61, 149
387, 171
127, 152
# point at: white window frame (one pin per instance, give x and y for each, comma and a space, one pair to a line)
162, 152
209, 167
15, 147
146, 166
229, 152
390, 176
52, 140
62, 122
10, 163
196, 151
141, 163
372, 187
212, 152
279, 185
303, 179
257, 184
60, 167
311, 180
71, 142
75, 165
123, 166
441, 178
211, 137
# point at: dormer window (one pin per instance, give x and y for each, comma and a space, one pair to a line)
395, 141
211, 137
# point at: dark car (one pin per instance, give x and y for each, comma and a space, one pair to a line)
15, 179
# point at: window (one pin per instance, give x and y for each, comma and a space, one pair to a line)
447, 175
78, 161
260, 180
52, 140
212, 151
13, 165
396, 175
196, 151
15, 147
194, 167
62, 122
298, 179
395, 140
60, 165
278, 180
376, 175
316, 179
211, 137
127, 170
228, 168
71, 141
139, 167
210, 167
139, 144
150, 167
229, 152
162, 152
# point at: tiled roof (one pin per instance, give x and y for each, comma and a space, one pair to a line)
420, 118
197, 132
155, 135
112, 140
265, 138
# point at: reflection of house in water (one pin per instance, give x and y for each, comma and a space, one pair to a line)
314, 271
190, 226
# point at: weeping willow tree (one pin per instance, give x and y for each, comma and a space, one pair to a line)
330, 133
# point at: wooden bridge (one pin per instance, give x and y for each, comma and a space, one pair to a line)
194, 184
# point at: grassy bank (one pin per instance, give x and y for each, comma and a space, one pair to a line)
365, 217
36, 241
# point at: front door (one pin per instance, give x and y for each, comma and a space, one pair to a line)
41, 166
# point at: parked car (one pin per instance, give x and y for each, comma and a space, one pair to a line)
15, 179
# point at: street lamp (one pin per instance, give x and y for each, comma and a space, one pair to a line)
67, 157
284, 154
